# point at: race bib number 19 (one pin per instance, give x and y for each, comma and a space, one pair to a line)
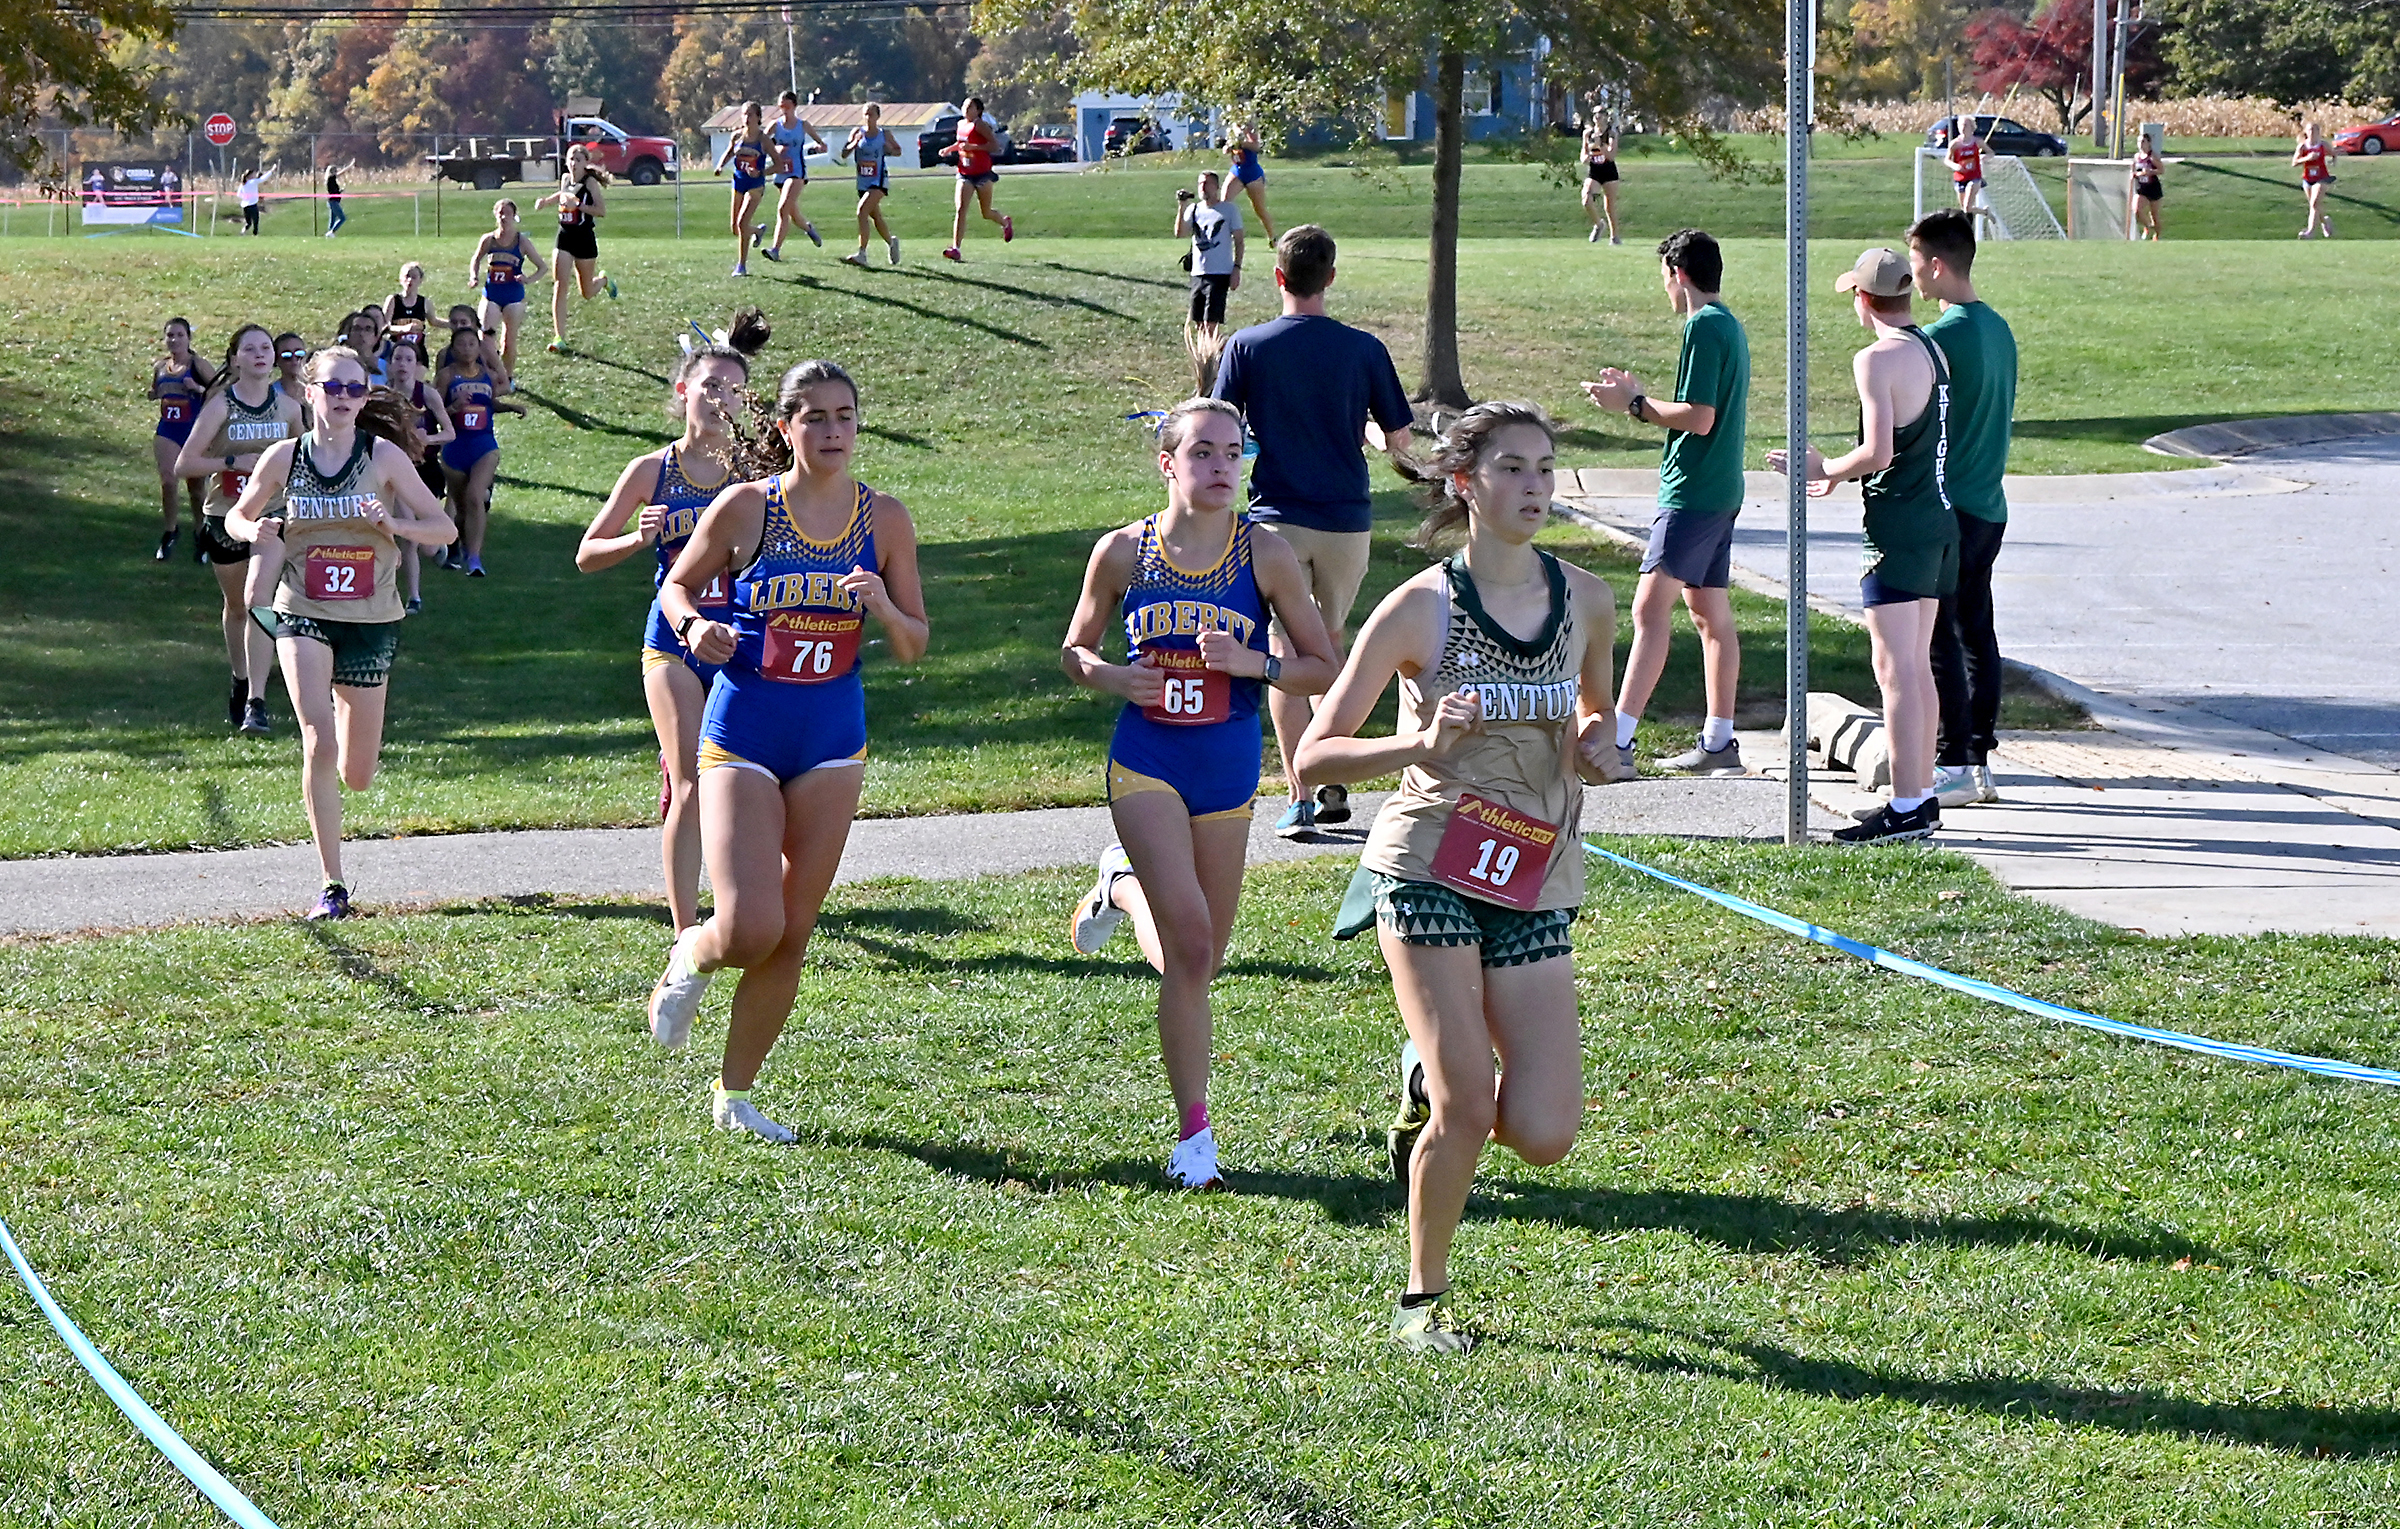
1195, 694
1495, 853
810, 647
339, 573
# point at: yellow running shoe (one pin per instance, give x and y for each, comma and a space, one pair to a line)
1429, 1329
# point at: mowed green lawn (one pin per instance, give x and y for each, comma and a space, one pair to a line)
405, 1224
996, 400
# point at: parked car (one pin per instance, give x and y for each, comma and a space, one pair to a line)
2001, 136
642, 160
1134, 135
1048, 143
2369, 137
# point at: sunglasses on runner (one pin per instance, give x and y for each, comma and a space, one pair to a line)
291, 355
345, 389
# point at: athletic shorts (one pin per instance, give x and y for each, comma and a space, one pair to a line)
785, 178
1212, 768
1249, 174
1602, 171
1208, 298
743, 185
660, 645
987, 178
362, 650
1962, 182
1691, 547
1335, 563
176, 433
507, 294
462, 454
580, 243
220, 547
876, 182
429, 473
1428, 913
2150, 191
1880, 586
782, 730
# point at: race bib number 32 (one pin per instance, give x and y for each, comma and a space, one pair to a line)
339, 573
1194, 693
1495, 852
810, 647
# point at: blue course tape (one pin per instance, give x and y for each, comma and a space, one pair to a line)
1993, 993
154, 1428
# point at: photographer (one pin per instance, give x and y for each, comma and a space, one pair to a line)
1214, 226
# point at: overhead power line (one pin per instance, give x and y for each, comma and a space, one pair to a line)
528, 12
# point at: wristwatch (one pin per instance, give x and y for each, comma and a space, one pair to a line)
1273, 671
1635, 406
683, 629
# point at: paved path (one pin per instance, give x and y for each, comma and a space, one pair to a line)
2223, 625
67, 894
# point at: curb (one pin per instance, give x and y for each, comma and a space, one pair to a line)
2240, 437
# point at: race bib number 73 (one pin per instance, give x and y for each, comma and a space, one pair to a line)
1495, 852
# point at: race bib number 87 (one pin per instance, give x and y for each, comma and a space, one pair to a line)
1194, 694
339, 573
1495, 852
810, 647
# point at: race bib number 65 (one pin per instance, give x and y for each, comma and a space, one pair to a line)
810, 647
339, 573
1194, 694
1495, 852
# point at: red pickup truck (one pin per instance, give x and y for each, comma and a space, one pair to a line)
487, 164
643, 161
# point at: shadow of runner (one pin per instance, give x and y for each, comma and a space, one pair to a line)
360, 967
919, 309
1055, 299
2320, 1432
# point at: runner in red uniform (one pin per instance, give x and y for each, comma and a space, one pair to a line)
2314, 156
1966, 164
973, 155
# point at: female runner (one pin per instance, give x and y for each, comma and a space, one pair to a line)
1473, 870
2147, 191
291, 354
656, 503
1600, 175
810, 553
502, 261
747, 151
790, 137
243, 416
972, 153
339, 500
407, 311
869, 149
470, 390
178, 380
1249, 175
432, 422
580, 208
2314, 156
1193, 587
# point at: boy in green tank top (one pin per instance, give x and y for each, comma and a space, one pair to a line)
1982, 352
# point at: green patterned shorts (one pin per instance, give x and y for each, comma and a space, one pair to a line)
1427, 913
362, 650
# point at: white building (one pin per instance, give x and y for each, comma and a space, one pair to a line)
1197, 127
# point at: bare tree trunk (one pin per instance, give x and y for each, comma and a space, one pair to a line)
1440, 383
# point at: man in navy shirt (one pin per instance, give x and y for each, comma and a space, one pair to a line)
1308, 385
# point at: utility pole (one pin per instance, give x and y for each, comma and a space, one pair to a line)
791, 52
2128, 12
1799, 48
2099, 71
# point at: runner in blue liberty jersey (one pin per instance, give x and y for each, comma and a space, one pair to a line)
790, 137
870, 148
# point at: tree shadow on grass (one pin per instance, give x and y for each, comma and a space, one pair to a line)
903, 956
1005, 289
622, 366
583, 421
920, 310
1085, 270
2318, 1432
2365, 207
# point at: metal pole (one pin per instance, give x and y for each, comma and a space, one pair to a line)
312, 174
2099, 71
2116, 95
680, 162
1799, 19
187, 198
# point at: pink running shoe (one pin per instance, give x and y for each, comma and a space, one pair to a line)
1008, 229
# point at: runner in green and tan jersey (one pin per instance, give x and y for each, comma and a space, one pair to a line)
1983, 402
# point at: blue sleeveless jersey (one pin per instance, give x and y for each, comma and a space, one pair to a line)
504, 274
1203, 736
684, 501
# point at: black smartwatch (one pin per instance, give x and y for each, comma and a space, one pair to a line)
1274, 669
683, 629
1635, 405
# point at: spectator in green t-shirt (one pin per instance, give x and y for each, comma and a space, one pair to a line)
1699, 493
1982, 353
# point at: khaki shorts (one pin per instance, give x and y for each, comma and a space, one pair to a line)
1335, 564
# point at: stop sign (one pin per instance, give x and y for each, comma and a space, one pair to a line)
219, 129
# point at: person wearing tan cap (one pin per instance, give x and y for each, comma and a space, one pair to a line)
1911, 534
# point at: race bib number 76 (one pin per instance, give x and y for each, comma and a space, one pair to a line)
810, 647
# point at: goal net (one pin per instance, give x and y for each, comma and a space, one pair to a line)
2010, 205
2098, 198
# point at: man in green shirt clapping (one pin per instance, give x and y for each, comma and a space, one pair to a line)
1699, 493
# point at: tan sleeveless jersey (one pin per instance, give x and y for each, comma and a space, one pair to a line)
1523, 759
246, 432
336, 565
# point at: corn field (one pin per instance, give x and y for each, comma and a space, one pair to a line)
2193, 117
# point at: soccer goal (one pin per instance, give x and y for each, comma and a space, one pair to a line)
2010, 206
2099, 199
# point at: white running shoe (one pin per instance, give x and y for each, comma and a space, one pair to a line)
1986, 790
675, 1002
855, 257
1594, 238
1193, 1165
1097, 916
742, 1115
1956, 786
893, 244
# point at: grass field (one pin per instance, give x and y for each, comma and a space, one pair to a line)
404, 1224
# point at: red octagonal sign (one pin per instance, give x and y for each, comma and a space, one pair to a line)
219, 129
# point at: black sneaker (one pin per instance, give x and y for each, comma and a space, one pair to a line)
166, 545
233, 701
254, 717
1416, 1113
1333, 804
1889, 827
199, 548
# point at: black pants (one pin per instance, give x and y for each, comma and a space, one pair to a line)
250, 219
1966, 653
1208, 298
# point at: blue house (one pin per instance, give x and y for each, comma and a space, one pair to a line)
1504, 93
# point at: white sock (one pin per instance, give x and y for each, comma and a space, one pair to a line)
1625, 727
1716, 734
1909, 803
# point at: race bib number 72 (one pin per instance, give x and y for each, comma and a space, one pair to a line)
1495, 852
